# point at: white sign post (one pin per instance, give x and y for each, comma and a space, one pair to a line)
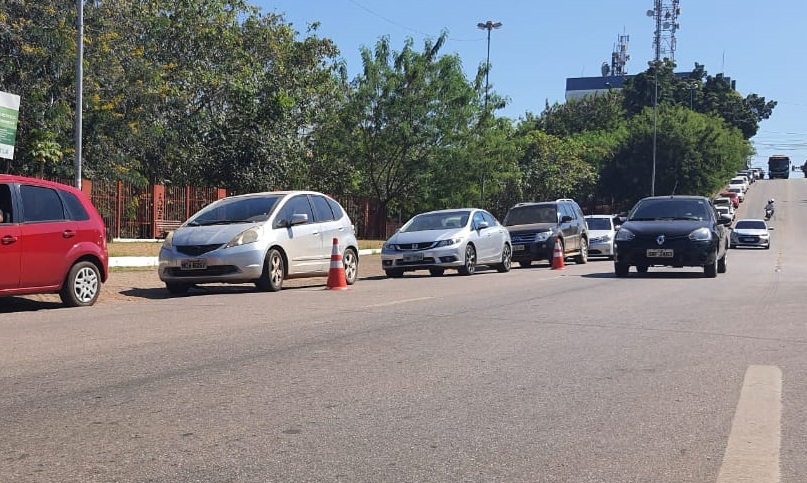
9, 111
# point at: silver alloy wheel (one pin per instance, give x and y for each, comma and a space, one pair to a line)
351, 263
86, 284
276, 269
470, 261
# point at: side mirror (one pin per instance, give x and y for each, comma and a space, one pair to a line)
770, 228
482, 225
724, 219
298, 219
565, 219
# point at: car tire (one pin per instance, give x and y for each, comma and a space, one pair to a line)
621, 269
350, 261
525, 263
469, 265
437, 272
642, 268
273, 272
710, 270
82, 286
507, 259
582, 258
722, 263
394, 273
177, 288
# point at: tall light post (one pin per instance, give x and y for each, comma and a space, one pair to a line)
655, 64
489, 25
691, 86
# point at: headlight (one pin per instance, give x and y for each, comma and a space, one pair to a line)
701, 234
601, 239
447, 243
624, 235
543, 236
246, 237
389, 246
169, 240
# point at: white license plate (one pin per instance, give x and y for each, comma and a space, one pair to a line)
518, 248
660, 253
193, 264
413, 257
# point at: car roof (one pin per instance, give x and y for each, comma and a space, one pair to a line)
600, 216
676, 197
10, 178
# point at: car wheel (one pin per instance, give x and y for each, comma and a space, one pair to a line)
525, 264
273, 272
470, 261
722, 263
437, 272
394, 273
177, 288
82, 286
351, 263
621, 269
507, 259
583, 257
642, 268
710, 270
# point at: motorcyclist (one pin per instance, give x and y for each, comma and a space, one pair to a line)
769, 208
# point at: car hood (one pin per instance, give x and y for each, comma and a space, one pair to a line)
533, 227
750, 231
666, 227
209, 234
425, 236
599, 233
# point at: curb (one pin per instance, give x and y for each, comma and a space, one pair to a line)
131, 262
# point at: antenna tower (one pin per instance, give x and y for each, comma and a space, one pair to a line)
665, 14
620, 56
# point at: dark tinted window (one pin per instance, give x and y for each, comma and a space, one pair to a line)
41, 204
528, 214
321, 208
5, 203
566, 210
599, 223
337, 210
297, 205
75, 209
236, 210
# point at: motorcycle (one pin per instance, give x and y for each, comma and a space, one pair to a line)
768, 213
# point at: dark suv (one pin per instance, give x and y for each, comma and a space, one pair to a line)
673, 231
534, 227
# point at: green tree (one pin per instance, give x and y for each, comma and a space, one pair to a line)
554, 167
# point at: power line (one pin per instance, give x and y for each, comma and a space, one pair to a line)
406, 27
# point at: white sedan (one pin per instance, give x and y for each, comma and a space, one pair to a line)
751, 233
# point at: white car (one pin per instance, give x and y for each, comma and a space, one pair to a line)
601, 232
723, 201
739, 181
751, 233
739, 190
724, 210
457, 239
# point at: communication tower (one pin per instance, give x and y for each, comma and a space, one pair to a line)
665, 14
620, 56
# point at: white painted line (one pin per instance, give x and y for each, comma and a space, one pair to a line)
396, 302
752, 452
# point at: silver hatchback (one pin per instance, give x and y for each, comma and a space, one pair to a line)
260, 238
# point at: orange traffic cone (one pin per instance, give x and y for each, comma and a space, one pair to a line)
557, 256
336, 274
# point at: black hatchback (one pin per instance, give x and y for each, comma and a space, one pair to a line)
672, 231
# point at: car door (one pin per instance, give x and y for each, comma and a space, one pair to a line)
10, 242
302, 241
497, 234
47, 237
329, 226
569, 228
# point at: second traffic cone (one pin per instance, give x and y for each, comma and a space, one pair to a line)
336, 274
557, 256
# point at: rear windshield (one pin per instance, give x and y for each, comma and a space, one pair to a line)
598, 223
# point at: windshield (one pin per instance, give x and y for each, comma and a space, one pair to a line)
437, 221
529, 214
599, 223
251, 209
670, 209
750, 225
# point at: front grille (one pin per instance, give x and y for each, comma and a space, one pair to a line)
415, 246
196, 250
209, 271
523, 238
425, 261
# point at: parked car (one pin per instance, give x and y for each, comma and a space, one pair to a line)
739, 182
460, 239
601, 232
733, 196
725, 201
749, 232
535, 227
675, 231
725, 210
259, 238
739, 190
53, 241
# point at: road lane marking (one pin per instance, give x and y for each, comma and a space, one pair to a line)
396, 302
752, 452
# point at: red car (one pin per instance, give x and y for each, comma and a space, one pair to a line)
52, 240
735, 199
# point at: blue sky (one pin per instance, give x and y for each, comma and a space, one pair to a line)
542, 43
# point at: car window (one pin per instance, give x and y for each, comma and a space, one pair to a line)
749, 225
5, 204
489, 218
599, 223
672, 209
75, 208
297, 205
236, 210
322, 209
41, 204
528, 214
565, 210
437, 221
338, 213
478, 219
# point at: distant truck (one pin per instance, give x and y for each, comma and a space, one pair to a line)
778, 166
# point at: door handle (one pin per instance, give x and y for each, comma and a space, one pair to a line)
8, 239
68, 234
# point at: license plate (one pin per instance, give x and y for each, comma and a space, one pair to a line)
413, 257
518, 248
193, 264
748, 239
660, 253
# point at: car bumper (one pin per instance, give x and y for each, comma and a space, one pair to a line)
533, 251
225, 265
600, 249
750, 241
684, 254
444, 257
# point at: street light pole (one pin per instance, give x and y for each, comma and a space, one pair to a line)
489, 25
655, 127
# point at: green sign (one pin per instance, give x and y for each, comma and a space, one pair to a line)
9, 110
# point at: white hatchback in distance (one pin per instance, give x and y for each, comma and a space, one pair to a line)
601, 232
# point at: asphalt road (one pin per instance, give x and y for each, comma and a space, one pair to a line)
531, 376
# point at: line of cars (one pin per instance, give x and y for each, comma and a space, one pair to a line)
747, 232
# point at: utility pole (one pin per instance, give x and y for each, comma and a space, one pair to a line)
489, 25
